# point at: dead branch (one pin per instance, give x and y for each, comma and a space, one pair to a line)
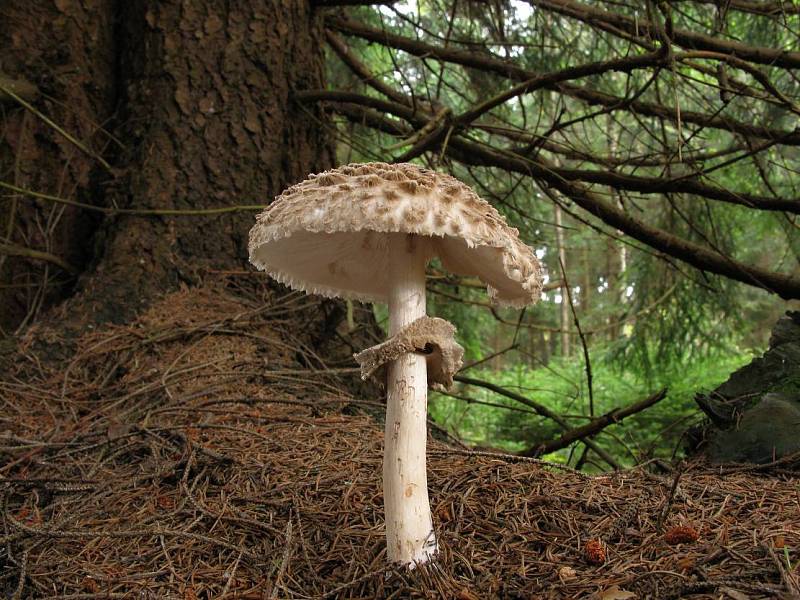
612, 178
785, 285
15, 250
111, 211
21, 88
594, 426
328, 3
586, 361
360, 69
590, 96
643, 28
541, 410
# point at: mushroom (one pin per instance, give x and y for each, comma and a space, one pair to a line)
366, 232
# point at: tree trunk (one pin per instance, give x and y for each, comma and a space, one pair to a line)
616, 253
564, 306
587, 290
61, 56
200, 94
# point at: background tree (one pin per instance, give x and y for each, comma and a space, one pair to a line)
646, 152
654, 125
137, 132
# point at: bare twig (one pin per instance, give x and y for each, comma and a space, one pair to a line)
155, 212
287, 553
662, 516
8, 91
540, 409
587, 362
14, 250
595, 425
23, 89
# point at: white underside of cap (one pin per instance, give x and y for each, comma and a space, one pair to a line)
355, 265
327, 235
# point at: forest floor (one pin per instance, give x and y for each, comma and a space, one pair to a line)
205, 452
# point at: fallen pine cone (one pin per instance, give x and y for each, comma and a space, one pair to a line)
466, 594
681, 534
595, 552
90, 585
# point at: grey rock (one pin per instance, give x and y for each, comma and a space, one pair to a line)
755, 415
769, 430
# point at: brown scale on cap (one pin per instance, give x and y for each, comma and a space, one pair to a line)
412, 216
371, 180
328, 179
363, 170
474, 219
409, 186
393, 176
467, 232
451, 189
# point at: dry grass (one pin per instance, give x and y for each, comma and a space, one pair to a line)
189, 456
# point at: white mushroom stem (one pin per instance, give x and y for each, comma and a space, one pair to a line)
409, 527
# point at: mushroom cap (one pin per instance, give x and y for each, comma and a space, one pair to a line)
327, 235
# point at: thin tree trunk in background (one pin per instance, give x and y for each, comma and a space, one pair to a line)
616, 262
539, 348
553, 342
497, 362
616, 258
564, 306
614, 292
587, 287
792, 237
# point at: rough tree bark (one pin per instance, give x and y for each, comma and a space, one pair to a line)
198, 95
64, 52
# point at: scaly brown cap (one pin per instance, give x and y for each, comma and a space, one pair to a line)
327, 234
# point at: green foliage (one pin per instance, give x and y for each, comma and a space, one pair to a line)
649, 320
561, 387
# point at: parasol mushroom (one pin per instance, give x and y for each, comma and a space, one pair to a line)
366, 232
